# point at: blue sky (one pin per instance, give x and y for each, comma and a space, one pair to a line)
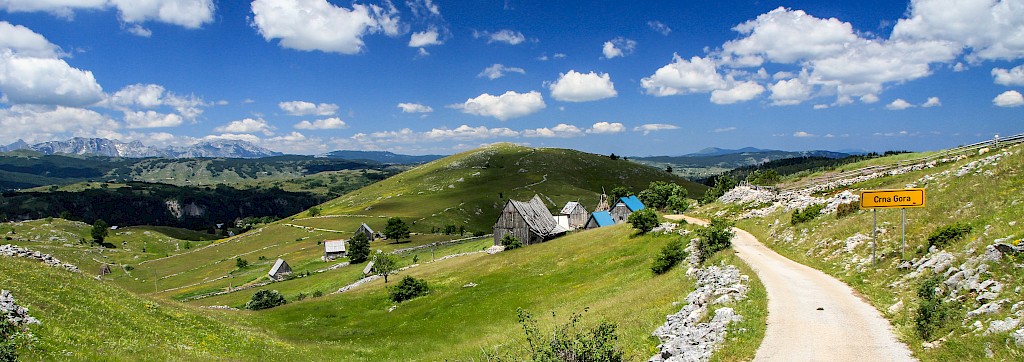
423, 76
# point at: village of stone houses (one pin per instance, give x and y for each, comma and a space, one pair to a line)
513, 253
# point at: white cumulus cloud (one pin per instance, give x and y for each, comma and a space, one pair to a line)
802, 134
991, 29
246, 126
562, 130
697, 75
607, 128
303, 108
574, 86
496, 71
190, 14
508, 105
654, 127
327, 123
425, 38
319, 25
739, 92
932, 102
790, 92
1009, 77
1010, 98
618, 47
898, 105
151, 119
31, 72
414, 108
36, 123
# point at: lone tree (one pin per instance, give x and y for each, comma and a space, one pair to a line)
644, 220
314, 211
396, 229
383, 265
100, 230
359, 248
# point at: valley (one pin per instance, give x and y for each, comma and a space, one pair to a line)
334, 312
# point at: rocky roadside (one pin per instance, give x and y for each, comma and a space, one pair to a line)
685, 336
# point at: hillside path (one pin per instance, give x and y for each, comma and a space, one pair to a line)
846, 328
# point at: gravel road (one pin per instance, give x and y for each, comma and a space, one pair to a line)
813, 316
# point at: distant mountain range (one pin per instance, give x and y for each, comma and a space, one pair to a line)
382, 157
135, 149
730, 159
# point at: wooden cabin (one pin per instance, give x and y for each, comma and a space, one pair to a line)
280, 270
530, 222
366, 230
333, 249
599, 219
577, 215
625, 206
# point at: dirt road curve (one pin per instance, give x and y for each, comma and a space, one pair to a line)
813, 316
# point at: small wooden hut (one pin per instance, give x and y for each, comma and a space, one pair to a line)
577, 214
599, 219
530, 222
625, 206
280, 270
366, 230
333, 249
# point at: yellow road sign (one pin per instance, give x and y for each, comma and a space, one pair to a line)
882, 199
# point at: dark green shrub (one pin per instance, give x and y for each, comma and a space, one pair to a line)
301, 296
644, 220
570, 342
511, 242
949, 233
241, 263
265, 299
317, 294
673, 253
846, 209
407, 289
713, 238
806, 214
932, 313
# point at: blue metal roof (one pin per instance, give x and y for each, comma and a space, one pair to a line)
603, 218
633, 203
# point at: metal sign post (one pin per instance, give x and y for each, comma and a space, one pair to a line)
874, 235
903, 245
891, 199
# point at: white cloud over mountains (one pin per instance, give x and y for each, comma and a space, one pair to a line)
32, 71
327, 123
310, 25
247, 125
303, 108
697, 75
574, 86
506, 106
654, 127
607, 128
562, 130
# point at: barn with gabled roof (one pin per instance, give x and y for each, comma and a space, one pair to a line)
280, 270
366, 230
530, 222
576, 213
599, 219
625, 206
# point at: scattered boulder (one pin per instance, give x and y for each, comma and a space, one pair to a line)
1000, 326
15, 251
14, 313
